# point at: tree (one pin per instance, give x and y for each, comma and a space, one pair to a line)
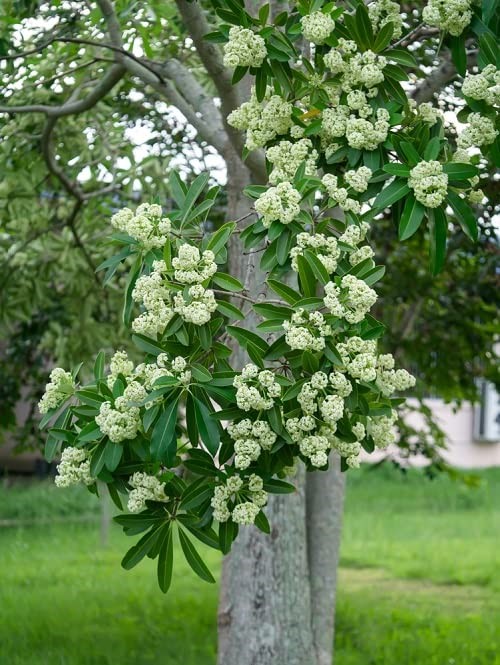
176, 83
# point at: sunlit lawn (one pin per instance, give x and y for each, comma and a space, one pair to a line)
419, 583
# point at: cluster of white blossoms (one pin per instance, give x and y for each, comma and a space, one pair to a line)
256, 389
198, 307
145, 488
451, 16
428, 113
191, 267
151, 291
381, 429
74, 468
354, 234
286, 157
59, 388
351, 300
357, 69
280, 203
340, 195
483, 86
382, 12
263, 121
120, 363
244, 48
479, 131
306, 331
121, 420
429, 183
250, 438
317, 27
358, 179
244, 512
146, 225
324, 247
362, 133
359, 358
390, 380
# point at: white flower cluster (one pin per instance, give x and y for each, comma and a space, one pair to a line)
362, 133
390, 380
256, 389
325, 248
339, 195
59, 388
451, 16
354, 234
191, 267
198, 307
356, 69
249, 439
361, 254
381, 429
150, 291
382, 12
243, 512
145, 488
122, 421
286, 157
317, 27
306, 331
280, 203
428, 113
147, 225
358, 179
483, 86
359, 358
480, 131
74, 468
262, 121
244, 48
351, 300
429, 183
314, 430
119, 364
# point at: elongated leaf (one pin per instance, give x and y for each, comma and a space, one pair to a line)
413, 214
112, 455
392, 193
464, 215
143, 547
193, 558
437, 229
99, 365
220, 237
163, 438
98, 459
384, 37
319, 270
208, 428
227, 533
165, 558
246, 337
194, 191
397, 169
148, 345
227, 282
432, 149
288, 294
308, 283
458, 171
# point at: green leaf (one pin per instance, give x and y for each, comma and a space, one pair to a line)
99, 363
163, 438
275, 486
245, 337
458, 53
288, 294
128, 303
384, 37
432, 149
194, 559
308, 282
90, 397
227, 533
319, 270
262, 523
438, 226
90, 432
143, 547
464, 215
230, 310
147, 345
208, 428
458, 171
397, 169
194, 191
165, 558
413, 214
410, 153
219, 239
401, 56
392, 193
195, 494
227, 282
112, 455
98, 459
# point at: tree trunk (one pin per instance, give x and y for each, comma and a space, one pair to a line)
277, 596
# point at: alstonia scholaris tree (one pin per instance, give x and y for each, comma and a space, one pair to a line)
193, 442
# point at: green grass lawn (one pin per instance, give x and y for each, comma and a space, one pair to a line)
419, 582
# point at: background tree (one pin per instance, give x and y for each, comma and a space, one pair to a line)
124, 68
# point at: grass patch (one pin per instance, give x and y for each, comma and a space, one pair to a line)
418, 582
